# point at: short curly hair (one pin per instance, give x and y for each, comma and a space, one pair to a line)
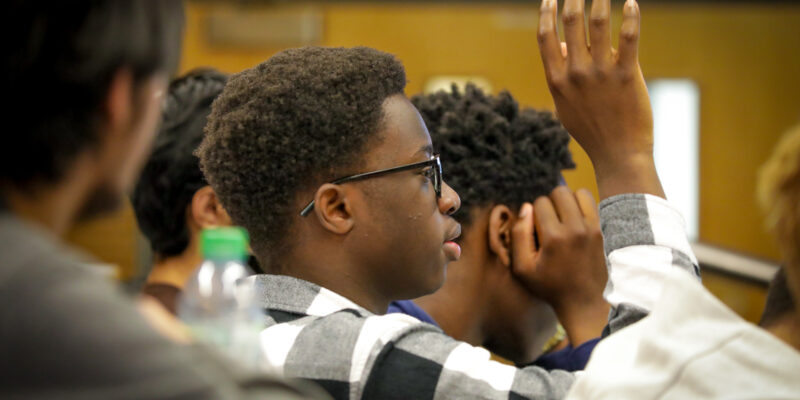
301, 118
172, 175
494, 152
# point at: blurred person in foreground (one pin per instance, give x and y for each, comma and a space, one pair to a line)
498, 157
87, 81
319, 154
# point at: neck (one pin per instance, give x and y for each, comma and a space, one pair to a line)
337, 273
787, 330
52, 206
176, 270
461, 319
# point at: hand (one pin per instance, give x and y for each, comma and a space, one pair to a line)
569, 269
600, 93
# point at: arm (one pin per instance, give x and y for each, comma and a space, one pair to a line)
601, 98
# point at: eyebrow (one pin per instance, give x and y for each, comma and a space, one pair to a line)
426, 149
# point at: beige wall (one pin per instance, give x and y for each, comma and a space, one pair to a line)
745, 60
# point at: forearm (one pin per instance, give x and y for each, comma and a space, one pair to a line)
584, 322
626, 173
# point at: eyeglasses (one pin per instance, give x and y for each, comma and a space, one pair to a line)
435, 171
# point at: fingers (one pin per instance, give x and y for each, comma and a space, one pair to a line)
629, 36
567, 207
575, 33
546, 221
523, 250
599, 32
549, 45
587, 206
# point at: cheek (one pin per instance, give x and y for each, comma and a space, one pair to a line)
139, 145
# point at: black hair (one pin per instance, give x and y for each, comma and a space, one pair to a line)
289, 124
172, 175
492, 151
58, 62
779, 300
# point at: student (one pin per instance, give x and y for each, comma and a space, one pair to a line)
172, 200
690, 345
85, 81
287, 148
498, 157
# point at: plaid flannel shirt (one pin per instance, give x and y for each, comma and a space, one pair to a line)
314, 333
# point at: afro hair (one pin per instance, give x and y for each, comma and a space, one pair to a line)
494, 152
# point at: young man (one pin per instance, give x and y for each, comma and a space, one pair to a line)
86, 79
691, 345
172, 200
320, 156
498, 157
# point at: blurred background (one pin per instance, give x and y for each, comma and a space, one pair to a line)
723, 77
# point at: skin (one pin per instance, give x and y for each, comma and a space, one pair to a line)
204, 211
385, 238
483, 303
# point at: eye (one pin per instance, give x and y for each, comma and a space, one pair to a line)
427, 173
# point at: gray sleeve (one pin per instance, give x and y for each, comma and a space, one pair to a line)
67, 334
644, 236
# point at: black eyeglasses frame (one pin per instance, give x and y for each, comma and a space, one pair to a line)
434, 162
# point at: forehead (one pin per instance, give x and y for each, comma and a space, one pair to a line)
404, 137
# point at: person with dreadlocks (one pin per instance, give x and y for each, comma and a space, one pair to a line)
498, 157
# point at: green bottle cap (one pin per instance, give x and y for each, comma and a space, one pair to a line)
224, 243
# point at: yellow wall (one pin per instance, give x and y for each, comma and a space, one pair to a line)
744, 58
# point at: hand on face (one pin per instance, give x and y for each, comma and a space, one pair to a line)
600, 93
569, 269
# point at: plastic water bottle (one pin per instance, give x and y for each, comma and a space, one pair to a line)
218, 303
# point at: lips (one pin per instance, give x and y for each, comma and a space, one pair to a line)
454, 233
451, 249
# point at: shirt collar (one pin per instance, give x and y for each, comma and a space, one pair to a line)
289, 294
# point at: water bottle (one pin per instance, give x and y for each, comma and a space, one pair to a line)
218, 303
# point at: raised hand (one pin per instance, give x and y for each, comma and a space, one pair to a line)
600, 93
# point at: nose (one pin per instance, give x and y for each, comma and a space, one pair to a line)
449, 203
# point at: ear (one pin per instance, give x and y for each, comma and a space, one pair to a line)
332, 209
500, 223
118, 105
206, 210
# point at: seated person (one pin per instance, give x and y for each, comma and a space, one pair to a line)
498, 157
172, 200
85, 81
690, 345
318, 153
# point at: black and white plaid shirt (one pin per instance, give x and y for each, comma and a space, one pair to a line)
319, 335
